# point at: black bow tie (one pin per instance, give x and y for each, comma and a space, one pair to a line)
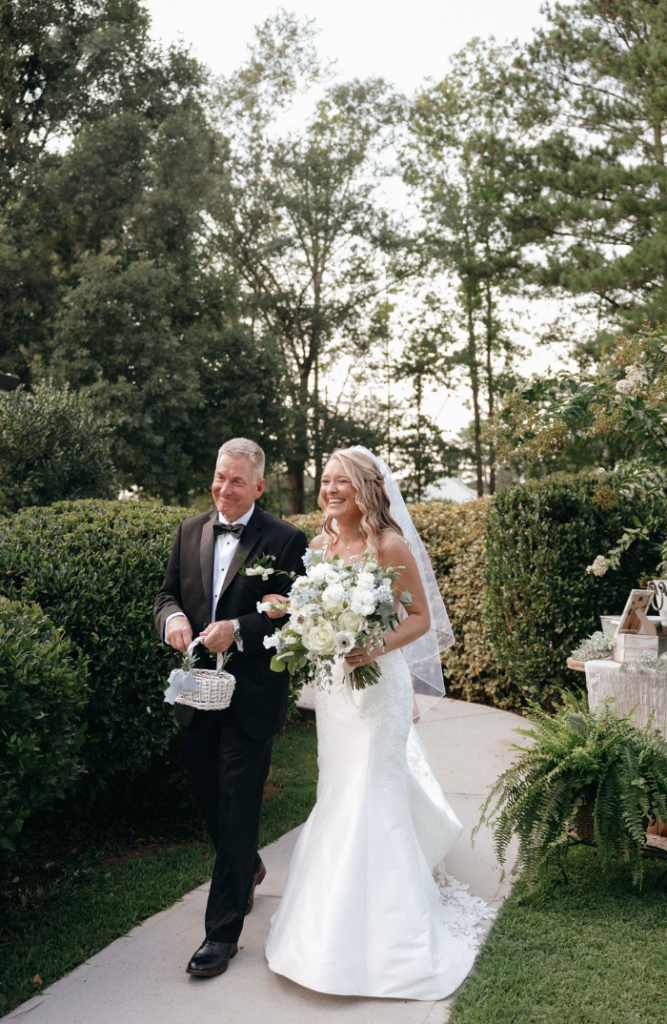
236, 529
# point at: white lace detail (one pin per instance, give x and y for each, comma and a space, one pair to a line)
463, 913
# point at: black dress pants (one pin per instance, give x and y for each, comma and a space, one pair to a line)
227, 770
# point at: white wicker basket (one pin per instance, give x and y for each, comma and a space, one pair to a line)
214, 687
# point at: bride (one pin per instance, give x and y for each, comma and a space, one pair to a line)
362, 913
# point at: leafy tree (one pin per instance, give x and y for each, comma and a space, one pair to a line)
106, 281
622, 403
53, 447
421, 455
462, 159
299, 222
594, 84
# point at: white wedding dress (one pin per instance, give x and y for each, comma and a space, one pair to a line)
362, 913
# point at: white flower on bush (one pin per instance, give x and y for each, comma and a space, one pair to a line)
350, 622
345, 642
634, 382
321, 638
599, 566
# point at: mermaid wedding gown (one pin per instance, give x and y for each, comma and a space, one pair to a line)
362, 913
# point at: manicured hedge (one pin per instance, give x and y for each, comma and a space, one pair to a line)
539, 599
43, 697
95, 567
455, 537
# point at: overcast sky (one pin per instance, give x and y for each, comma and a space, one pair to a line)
402, 42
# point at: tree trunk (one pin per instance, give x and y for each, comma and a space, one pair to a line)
295, 483
489, 381
474, 385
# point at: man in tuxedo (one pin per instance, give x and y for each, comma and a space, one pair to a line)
227, 753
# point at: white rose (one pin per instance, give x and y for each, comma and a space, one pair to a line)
333, 595
350, 622
362, 602
331, 576
321, 639
271, 641
318, 572
366, 580
371, 566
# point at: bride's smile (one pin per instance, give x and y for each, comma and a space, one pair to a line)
337, 494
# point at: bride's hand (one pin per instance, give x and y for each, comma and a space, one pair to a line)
280, 605
362, 656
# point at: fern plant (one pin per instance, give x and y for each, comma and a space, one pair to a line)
578, 756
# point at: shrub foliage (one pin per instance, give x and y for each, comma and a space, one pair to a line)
95, 568
42, 700
52, 447
539, 599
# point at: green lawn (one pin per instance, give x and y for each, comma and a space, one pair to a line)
593, 951
49, 928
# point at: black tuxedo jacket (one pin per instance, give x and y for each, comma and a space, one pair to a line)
260, 696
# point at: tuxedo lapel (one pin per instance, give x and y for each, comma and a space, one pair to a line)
206, 550
252, 536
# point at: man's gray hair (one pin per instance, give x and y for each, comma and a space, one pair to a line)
243, 446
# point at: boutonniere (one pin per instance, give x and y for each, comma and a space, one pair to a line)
260, 567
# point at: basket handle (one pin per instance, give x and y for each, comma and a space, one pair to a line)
218, 660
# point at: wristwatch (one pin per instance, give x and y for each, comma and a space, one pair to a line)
236, 626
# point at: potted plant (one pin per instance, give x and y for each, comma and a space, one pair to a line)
582, 768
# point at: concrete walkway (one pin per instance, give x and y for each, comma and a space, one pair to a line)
140, 978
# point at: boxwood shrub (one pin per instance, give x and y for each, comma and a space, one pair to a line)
95, 568
539, 599
43, 696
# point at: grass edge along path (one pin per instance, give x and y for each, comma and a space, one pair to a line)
58, 928
592, 951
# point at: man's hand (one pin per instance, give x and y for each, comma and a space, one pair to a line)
179, 633
218, 636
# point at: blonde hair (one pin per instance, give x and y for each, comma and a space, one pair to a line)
242, 447
370, 496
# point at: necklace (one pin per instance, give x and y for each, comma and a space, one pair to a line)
348, 547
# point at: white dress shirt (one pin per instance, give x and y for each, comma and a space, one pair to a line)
226, 545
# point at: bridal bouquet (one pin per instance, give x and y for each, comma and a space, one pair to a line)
334, 608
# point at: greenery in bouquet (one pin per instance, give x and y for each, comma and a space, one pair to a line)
579, 757
334, 608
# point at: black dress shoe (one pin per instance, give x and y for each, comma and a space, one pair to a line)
257, 879
212, 958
